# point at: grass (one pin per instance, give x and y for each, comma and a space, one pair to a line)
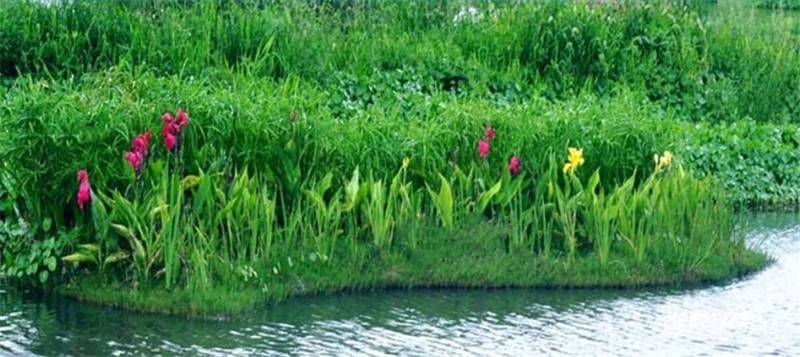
363, 51
778, 4
446, 259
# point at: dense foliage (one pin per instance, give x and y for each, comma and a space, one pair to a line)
337, 136
779, 4
366, 51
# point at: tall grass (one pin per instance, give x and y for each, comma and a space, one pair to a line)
252, 191
246, 124
778, 4
365, 52
198, 231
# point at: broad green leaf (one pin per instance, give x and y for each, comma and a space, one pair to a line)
486, 197
77, 258
116, 257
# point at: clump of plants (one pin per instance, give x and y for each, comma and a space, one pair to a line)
173, 229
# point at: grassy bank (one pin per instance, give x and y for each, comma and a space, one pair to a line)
471, 256
346, 146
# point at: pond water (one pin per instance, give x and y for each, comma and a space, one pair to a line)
759, 314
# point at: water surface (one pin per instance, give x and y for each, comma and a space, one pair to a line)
756, 315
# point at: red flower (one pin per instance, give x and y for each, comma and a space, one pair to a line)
181, 119
513, 165
483, 148
141, 142
138, 153
84, 190
135, 159
167, 129
490, 134
170, 141
172, 128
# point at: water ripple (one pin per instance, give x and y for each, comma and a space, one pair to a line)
759, 315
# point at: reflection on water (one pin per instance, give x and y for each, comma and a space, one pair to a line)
756, 315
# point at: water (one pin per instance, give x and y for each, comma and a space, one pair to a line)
757, 315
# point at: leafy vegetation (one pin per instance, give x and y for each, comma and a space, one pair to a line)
337, 146
395, 53
779, 4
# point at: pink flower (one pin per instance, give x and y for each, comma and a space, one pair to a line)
167, 118
181, 119
483, 148
138, 153
490, 134
172, 128
84, 190
135, 159
167, 129
513, 165
141, 142
170, 141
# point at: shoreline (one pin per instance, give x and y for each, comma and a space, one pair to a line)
553, 274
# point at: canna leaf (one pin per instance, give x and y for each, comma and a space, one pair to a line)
352, 192
116, 257
77, 258
486, 197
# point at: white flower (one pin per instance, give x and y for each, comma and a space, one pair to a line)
470, 14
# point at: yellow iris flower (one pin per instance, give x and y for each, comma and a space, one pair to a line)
574, 160
663, 161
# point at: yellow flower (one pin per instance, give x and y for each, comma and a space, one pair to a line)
574, 160
663, 161
406, 161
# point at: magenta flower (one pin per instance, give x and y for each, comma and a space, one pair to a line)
172, 128
138, 153
181, 119
84, 190
135, 159
490, 134
513, 165
141, 142
483, 148
170, 141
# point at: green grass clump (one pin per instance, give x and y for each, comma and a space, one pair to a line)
470, 256
210, 232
